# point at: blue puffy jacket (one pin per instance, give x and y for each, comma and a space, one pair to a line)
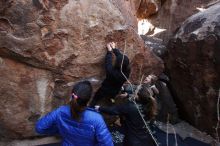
90, 131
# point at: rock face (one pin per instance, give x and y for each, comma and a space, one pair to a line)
47, 45
194, 66
173, 13
141, 67
148, 8
26, 93
156, 45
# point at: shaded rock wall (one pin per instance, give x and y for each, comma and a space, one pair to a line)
156, 45
47, 45
194, 67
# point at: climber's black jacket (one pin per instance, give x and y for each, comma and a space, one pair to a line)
114, 78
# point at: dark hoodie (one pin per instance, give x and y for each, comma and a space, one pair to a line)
114, 78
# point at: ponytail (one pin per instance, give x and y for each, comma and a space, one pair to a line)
81, 94
76, 109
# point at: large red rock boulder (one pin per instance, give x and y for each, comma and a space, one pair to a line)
148, 8
47, 45
173, 13
25, 94
194, 67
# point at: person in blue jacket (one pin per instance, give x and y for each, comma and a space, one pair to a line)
77, 124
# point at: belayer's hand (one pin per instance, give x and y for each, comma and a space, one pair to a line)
109, 47
97, 107
123, 95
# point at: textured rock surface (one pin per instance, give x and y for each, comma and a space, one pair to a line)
148, 8
25, 94
173, 12
155, 44
141, 67
194, 66
52, 44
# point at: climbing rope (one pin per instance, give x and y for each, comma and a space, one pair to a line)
134, 97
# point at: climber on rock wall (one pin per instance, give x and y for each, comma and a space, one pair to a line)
114, 80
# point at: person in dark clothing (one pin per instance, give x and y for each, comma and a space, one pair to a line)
133, 111
167, 104
115, 74
149, 81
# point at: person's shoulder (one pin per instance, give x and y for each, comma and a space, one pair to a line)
63, 108
93, 114
92, 111
63, 111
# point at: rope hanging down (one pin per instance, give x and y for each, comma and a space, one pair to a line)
134, 97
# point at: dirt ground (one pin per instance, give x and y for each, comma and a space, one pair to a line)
182, 128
